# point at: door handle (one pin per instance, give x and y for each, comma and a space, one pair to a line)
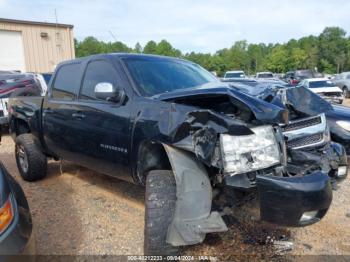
78, 115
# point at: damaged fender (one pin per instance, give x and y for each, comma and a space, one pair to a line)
193, 217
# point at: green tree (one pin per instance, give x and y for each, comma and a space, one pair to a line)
150, 48
138, 48
89, 46
278, 59
329, 52
297, 59
326, 66
165, 48
333, 47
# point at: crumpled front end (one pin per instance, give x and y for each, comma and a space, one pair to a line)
298, 190
309, 149
277, 144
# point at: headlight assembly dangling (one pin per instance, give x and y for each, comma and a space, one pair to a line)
242, 154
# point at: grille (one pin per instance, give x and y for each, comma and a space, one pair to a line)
302, 124
304, 141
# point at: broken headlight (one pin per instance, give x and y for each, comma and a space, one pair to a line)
242, 154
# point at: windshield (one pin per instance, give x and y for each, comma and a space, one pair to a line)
318, 84
265, 75
234, 75
156, 75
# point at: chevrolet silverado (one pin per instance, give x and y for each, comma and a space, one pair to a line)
171, 126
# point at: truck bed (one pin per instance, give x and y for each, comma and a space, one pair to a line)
26, 111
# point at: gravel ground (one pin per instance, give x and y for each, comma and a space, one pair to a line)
80, 212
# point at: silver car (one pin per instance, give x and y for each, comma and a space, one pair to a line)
343, 82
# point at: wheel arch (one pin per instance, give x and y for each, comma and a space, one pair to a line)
19, 126
151, 156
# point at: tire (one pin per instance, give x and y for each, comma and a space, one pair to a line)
160, 200
31, 162
345, 92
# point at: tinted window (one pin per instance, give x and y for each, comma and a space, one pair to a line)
235, 75
158, 75
97, 72
67, 82
318, 84
348, 76
265, 75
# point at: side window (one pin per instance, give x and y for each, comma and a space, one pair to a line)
97, 72
348, 76
66, 82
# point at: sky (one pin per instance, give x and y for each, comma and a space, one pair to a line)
192, 25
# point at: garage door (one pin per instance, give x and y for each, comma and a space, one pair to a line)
11, 51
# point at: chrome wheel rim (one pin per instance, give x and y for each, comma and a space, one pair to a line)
22, 158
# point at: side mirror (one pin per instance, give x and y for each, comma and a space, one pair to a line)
106, 91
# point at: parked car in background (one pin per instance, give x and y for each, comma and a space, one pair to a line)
44, 80
279, 76
338, 121
173, 127
250, 81
234, 74
19, 85
3, 111
47, 77
264, 75
343, 82
325, 88
338, 118
294, 77
15, 219
258, 83
13, 84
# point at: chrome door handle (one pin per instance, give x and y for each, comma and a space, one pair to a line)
78, 115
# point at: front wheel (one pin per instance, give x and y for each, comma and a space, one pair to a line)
345, 92
160, 200
31, 162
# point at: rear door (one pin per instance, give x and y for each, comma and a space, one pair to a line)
58, 123
103, 129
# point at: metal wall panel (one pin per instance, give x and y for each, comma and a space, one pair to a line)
42, 53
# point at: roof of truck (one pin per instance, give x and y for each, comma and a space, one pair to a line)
120, 55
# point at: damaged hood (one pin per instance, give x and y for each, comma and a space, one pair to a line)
262, 110
269, 103
299, 98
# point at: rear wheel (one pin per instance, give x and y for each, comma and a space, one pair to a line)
31, 162
160, 200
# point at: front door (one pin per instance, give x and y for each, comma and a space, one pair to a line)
103, 128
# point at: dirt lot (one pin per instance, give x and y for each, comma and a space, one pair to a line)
82, 212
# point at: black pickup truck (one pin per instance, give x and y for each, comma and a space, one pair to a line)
170, 125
